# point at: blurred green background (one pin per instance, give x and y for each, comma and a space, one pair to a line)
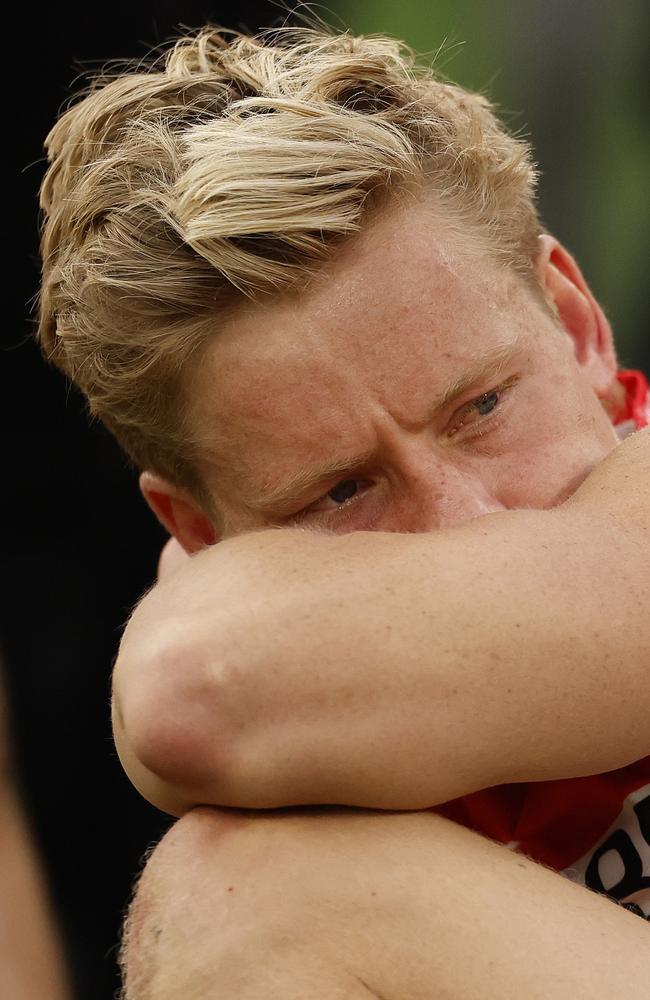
571, 75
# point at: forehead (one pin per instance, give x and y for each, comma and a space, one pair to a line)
385, 325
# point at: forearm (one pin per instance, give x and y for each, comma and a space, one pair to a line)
357, 905
398, 671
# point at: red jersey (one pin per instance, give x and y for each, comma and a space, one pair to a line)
595, 830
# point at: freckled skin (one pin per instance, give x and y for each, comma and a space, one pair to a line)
353, 365
356, 362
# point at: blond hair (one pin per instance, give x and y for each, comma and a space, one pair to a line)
232, 167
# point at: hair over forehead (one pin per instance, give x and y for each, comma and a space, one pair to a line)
232, 167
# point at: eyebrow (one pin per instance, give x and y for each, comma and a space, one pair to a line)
281, 498
489, 365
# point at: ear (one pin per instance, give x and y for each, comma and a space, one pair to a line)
582, 318
178, 512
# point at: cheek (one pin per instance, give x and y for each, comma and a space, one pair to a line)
549, 461
554, 435
538, 480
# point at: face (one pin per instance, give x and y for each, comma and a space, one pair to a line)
414, 385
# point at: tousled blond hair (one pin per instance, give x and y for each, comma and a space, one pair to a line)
232, 167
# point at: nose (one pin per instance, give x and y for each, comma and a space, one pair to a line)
441, 495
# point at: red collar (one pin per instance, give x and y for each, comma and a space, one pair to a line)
637, 399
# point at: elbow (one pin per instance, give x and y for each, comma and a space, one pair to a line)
169, 726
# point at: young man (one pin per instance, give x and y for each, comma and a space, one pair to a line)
308, 290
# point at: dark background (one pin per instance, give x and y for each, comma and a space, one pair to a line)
80, 546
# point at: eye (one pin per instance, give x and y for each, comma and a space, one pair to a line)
344, 490
343, 495
486, 403
477, 412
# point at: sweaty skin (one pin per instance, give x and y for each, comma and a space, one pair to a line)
441, 629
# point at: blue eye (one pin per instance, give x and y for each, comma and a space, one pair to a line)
469, 418
344, 490
486, 403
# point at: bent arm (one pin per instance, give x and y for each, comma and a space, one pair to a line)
397, 671
404, 906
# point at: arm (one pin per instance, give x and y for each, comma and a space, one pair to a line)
397, 671
356, 905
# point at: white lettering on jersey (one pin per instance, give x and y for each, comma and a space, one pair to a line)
618, 866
